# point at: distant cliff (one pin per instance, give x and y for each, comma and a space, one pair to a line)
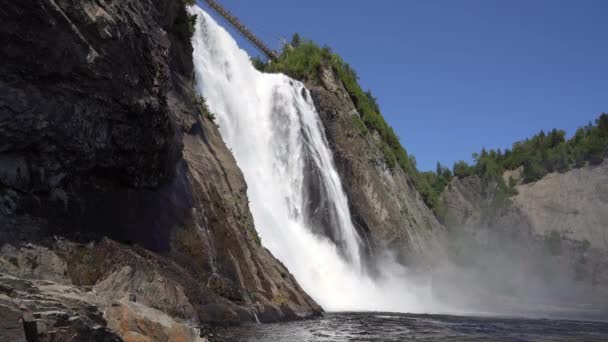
556, 228
117, 193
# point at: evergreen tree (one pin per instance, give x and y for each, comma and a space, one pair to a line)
533, 171
296, 40
462, 169
596, 148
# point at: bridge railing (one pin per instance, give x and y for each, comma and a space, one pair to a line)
271, 54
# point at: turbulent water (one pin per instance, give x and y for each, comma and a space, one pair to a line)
380, 327
296, 197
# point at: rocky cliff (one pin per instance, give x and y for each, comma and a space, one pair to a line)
553, 231
385, 206
573, 205
116, 191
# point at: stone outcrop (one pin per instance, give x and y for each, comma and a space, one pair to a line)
385, 206
115, 185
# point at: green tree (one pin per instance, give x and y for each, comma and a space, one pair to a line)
462, 169
296, 40
579, 136
533, 171
373, 101
557, 137
579, 156
559, 158
258, 63
596, 148
602, 124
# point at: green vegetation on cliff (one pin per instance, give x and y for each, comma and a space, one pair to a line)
302, 60
543, 153
185, 23
201, 104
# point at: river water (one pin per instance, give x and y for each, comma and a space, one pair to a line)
390, 327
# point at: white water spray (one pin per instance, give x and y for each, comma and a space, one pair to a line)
299, 207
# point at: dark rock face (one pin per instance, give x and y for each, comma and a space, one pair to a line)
100, 137
83, 98
387, 211
114, 122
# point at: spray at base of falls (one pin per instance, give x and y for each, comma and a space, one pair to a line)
272, 127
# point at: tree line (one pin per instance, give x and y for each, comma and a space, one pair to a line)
537, 156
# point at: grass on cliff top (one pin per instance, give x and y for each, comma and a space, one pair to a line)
303, 60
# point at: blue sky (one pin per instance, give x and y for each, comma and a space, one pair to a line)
453, 76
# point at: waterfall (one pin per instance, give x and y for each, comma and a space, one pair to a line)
296, 197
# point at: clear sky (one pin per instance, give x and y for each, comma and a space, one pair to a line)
453, 76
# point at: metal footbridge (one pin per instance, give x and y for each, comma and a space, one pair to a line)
271, 54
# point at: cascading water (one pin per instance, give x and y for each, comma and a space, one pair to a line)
299, 207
